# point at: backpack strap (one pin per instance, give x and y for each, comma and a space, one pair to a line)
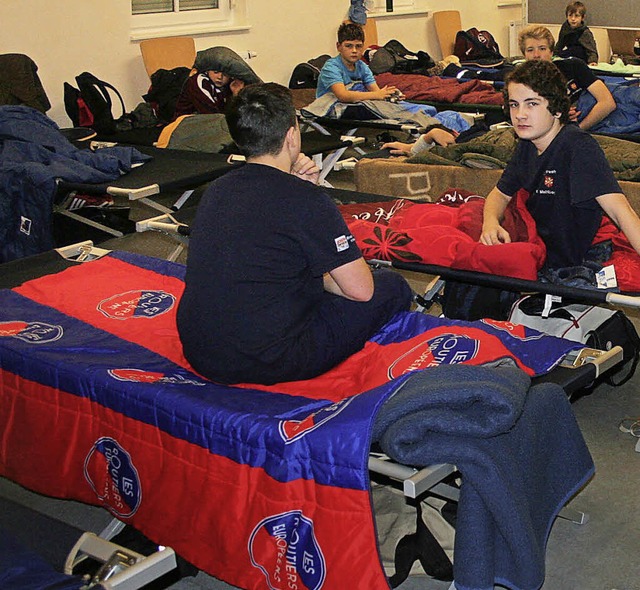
102, 86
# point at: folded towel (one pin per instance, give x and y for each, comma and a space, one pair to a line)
453, 399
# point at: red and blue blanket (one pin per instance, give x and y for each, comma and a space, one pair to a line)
263, 488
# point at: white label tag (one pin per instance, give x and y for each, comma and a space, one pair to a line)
341, 243
549, 300
606, 278
25, 225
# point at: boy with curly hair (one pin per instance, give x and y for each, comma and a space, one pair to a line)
567, 182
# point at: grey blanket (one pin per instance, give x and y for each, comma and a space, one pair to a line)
328, 105
201, 133
520, 453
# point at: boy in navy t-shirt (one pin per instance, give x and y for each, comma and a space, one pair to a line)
276, 287
567, 179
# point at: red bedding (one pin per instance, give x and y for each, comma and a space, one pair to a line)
434, 88
435, 233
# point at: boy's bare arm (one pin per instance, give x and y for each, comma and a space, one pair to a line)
352, 280
605, 104
434, 136
494, 207
617, 207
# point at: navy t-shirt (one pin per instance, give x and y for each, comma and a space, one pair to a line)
260, 243
563, 183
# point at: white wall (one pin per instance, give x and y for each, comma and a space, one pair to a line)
67, 38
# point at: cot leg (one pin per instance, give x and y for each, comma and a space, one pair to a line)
122, 568
114, 527
574, 515
90, 222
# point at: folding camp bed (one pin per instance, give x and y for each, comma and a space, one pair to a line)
490, 113
248, 480
592, 363
352, 125
328, 125
325, 149
168, 170
182, 170
444, 90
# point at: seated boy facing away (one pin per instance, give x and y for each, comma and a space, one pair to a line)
220, 74
561, 167
340, 72
575, 39
276, 287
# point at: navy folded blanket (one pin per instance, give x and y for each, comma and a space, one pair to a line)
519, 451
23, 569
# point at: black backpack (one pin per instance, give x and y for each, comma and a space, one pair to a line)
305, 74
90, 104
474, 47
396, 58
166, 86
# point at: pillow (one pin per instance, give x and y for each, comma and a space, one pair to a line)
227, 61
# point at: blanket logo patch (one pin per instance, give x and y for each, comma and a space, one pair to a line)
284, 547
111, 474
142, 376
293, 430
137, 304
31, 332
445, 349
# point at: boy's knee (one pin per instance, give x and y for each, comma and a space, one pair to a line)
392, 286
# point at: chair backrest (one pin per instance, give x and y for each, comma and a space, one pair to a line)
167, 53
370, 32
621, 40
447, 24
